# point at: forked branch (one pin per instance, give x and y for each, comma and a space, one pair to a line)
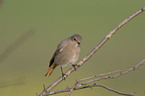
87, 84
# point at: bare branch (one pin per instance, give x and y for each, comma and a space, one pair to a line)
114, 76
72, 88
99, 75
84, 85
89, 86
48, 89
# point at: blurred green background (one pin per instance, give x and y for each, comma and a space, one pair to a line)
31, 29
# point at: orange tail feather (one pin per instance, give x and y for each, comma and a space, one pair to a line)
50, 70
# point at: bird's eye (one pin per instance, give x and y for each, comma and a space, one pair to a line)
75, 39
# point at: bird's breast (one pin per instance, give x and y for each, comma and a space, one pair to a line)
69, 55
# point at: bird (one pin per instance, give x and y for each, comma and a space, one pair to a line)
67, 53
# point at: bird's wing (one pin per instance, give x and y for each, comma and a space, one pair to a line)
59, 49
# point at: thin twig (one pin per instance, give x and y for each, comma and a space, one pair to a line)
44, 88
110, 89
99, 75
72, 89
92, 52
83, 86
116, 75
89, 86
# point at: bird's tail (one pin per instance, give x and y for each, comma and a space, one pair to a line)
50, 70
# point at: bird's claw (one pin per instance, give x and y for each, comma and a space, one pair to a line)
63, 76
74, 66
